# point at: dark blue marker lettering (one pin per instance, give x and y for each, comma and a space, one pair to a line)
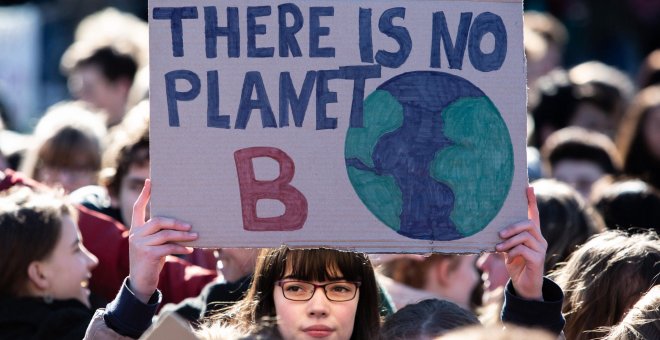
212, 32
325, 96
173, 96
359, 74
254, 29
455, 52
298, 103
176, 16
288, 33
316, 31
366, 41
398, 33
485, 23
252, 81
213, 117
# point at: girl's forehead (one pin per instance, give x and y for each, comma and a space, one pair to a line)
329, 271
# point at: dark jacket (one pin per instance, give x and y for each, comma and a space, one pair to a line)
32, 318
214, 297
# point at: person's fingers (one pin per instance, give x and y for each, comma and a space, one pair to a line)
530, 256
522, 238
521, 226
157, 224
140, 206
159, 252
168, 236
532, 207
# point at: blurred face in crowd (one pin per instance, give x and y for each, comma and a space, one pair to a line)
579, 174
69, 178
494, 271
68, 269
236, 263
131, 186
90, 85
591, 117
461, 281
652, 132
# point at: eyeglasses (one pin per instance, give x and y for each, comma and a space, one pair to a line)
338, 291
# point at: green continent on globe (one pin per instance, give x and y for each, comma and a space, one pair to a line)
383, 113
479, 166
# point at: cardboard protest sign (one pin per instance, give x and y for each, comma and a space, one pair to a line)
169, 327
382, 126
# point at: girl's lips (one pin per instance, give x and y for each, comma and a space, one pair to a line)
318, 331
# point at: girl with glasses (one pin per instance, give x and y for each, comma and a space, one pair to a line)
313, 293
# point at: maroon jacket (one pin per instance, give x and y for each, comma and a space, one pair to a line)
107, 239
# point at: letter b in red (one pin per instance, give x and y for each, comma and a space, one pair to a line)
252, 190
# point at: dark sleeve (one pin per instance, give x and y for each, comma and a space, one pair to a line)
214, 297
127, 315
544, 314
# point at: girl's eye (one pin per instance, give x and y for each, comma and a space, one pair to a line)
294, 288
341, 288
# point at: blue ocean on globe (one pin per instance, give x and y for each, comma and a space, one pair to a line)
434, 159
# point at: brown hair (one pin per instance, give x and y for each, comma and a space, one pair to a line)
638, 160
596, 295
642, 321
426, 319
567, 221
68, 136
133, 153
30, 224
576, 143
322, 264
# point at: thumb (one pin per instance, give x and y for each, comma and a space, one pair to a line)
140, 206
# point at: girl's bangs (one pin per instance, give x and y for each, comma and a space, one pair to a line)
323, 265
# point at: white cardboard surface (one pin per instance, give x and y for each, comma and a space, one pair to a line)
195, 174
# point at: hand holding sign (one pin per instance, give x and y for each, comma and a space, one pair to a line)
149, 243
525, 249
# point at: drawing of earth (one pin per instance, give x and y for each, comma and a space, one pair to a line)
434, 159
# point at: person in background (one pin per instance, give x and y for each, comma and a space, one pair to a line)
545, 40
426, 319
441, 276
66, 148
580, 157
237, 267
108, 240
103, 78
46, 269
638, 138
642, 320
627, 204
603, 94
591, 95
591, 278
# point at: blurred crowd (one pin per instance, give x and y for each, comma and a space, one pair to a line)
593, 160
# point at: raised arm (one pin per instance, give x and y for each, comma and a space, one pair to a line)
149, 242
524, 251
